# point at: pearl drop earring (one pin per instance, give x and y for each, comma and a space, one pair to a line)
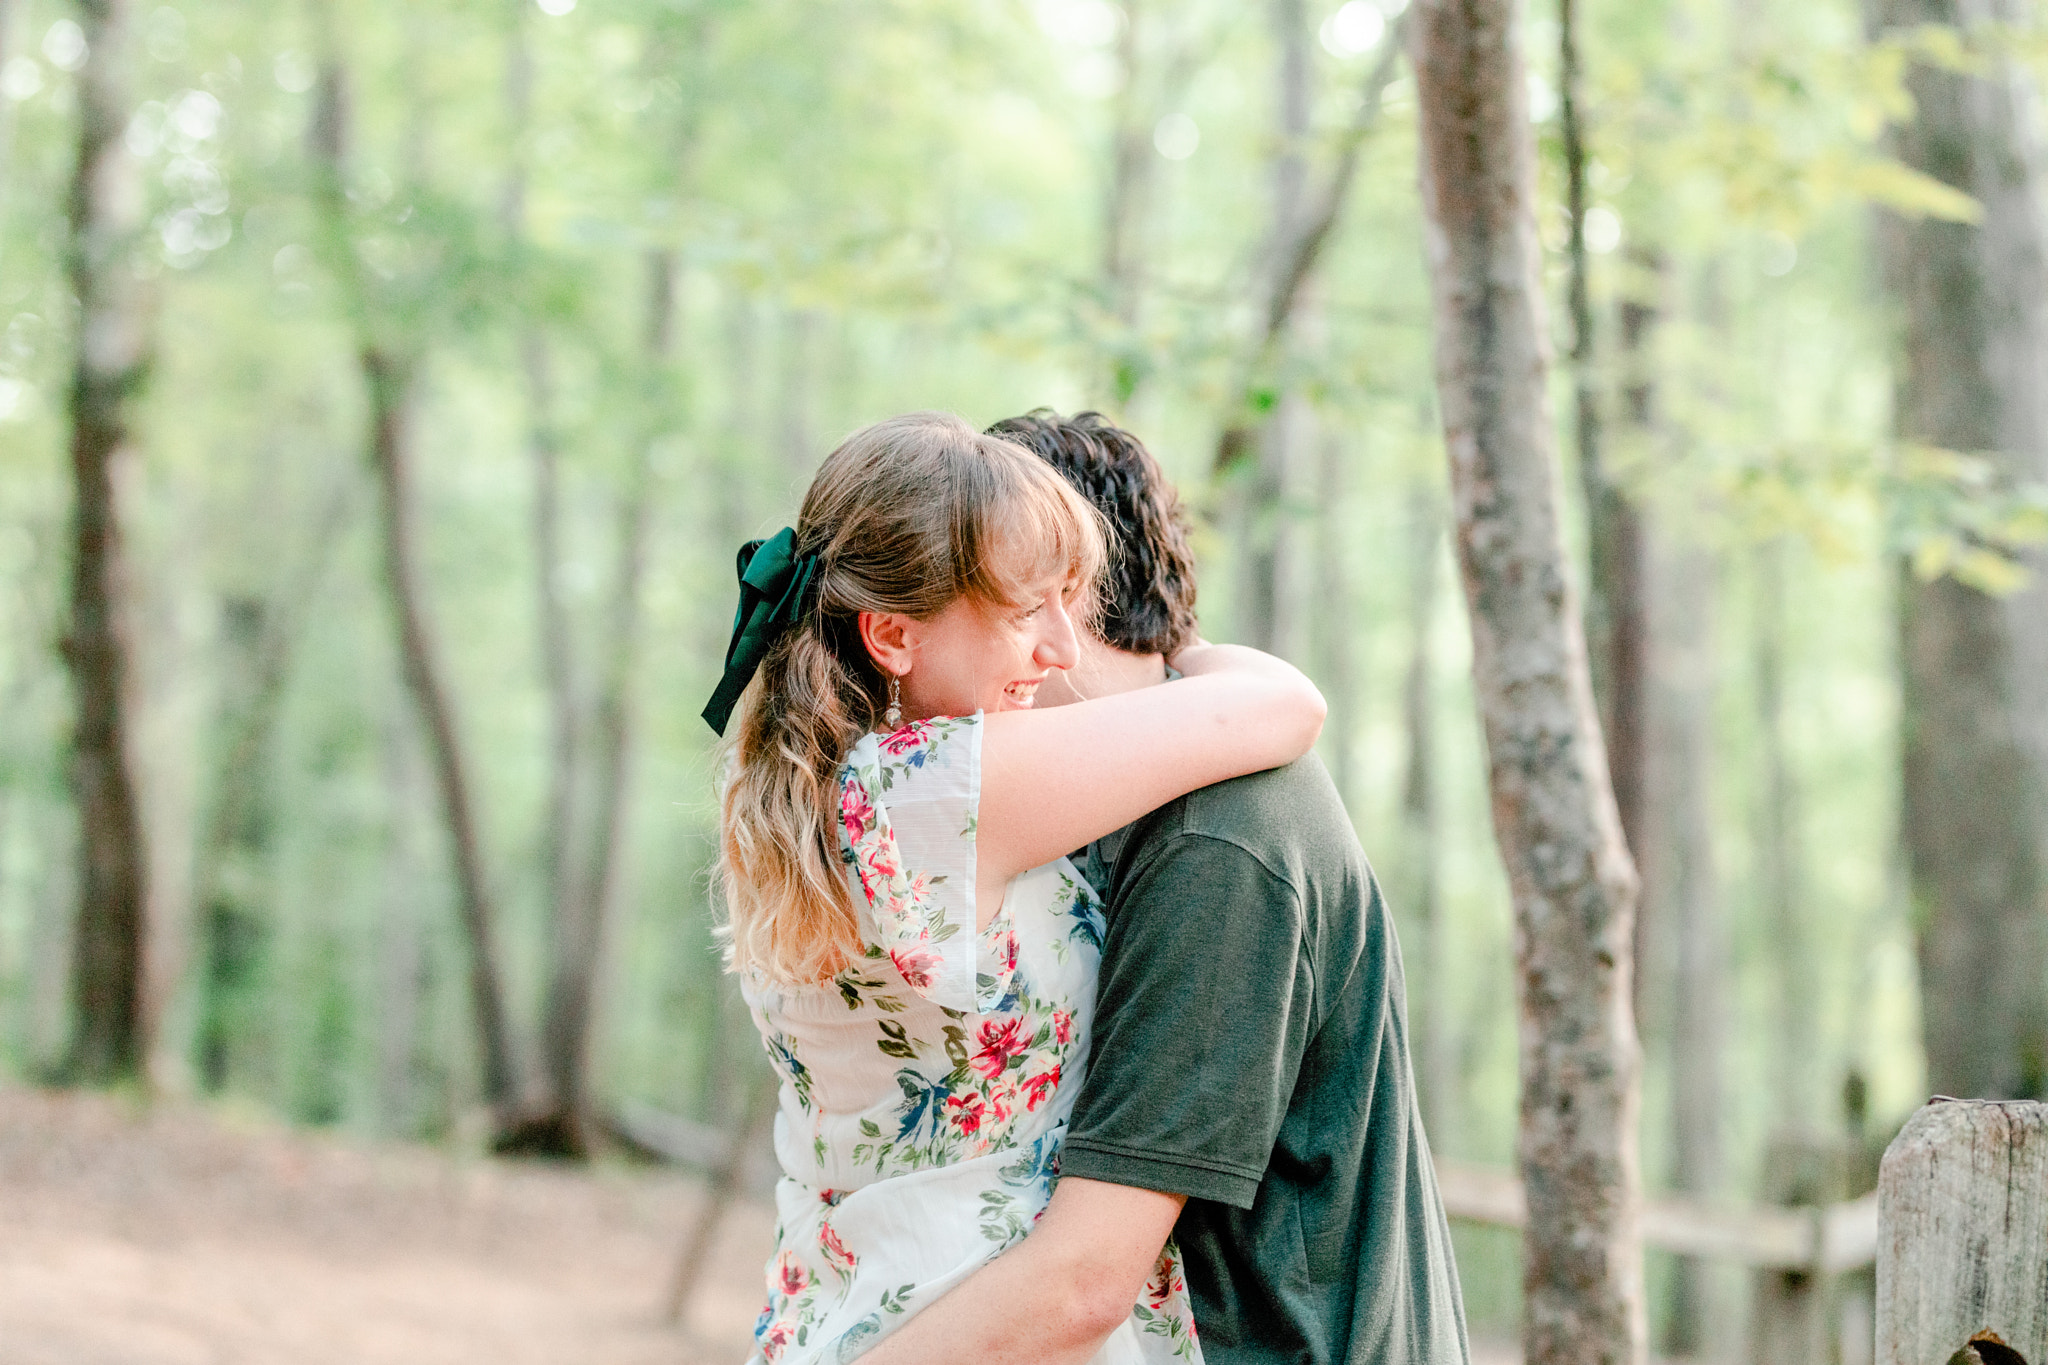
892, 718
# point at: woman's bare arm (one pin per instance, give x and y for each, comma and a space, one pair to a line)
1054, 779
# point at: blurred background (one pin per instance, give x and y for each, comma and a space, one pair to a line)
485, 330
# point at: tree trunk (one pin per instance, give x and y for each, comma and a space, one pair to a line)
1297, 259
559, 837
391, 385
1617, 616
1974, 299
1681, 881
1264, 432
1331, 608
567, 1033
1421, 824
552, 1126
1674, 592
1779, 876
402, 962
1560, 838
1267, 481
234, 930
1124, 213
234, 926
390, 378
112, 362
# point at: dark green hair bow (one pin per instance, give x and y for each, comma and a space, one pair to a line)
775, 591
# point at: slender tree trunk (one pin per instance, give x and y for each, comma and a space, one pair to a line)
1421, 825
1124, 209
567, 1032
234, 930
1297, 260
234, 925
1673, 591
553, 1125
1560, 837
112, 361
1617, 617
1332, 611
544, 448
391, 384
1974, 300
1778, 855
390, 377
555, 637
1265, 482
1259, 449
401, 957
1684, 885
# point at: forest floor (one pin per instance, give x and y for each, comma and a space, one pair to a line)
176, 1234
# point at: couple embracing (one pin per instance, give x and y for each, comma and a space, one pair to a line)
1085, 1005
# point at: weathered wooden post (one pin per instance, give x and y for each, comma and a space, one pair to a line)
1963, 1232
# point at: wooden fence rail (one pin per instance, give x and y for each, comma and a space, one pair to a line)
1827, 1240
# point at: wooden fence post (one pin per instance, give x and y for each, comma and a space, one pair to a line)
1963, 1233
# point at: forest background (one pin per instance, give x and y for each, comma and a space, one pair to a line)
483, 331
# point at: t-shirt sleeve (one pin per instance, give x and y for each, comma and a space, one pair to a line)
1205, 1007
908, 806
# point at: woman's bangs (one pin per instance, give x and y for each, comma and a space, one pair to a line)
1047, 535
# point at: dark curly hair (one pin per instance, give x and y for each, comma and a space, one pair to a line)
1148, 597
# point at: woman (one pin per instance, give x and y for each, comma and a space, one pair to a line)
917, 951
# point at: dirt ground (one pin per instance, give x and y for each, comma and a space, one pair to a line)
180, 1236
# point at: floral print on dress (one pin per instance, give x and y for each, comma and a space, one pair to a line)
918, 912
926, 1088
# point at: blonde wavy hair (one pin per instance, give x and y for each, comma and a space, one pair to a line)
908, 515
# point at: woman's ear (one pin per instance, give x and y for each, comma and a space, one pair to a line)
890, 640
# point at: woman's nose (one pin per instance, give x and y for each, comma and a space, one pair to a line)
1058, 645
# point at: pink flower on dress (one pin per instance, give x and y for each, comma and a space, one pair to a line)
907, 738
774, 1340
790, 1277
856, 811
1006, 952
1166, 1281
880, 856
1039, 1087
967, 1112
917, 963
836, 1254
875, 859
1002, 1102
999, 1043
1062, 1026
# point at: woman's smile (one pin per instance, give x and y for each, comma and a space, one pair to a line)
1020, 695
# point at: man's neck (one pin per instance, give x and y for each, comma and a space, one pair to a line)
1105, 671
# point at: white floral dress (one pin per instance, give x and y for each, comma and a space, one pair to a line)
926, 1088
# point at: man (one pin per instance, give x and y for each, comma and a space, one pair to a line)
1249, 1091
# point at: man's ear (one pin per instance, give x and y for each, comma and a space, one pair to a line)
890, 638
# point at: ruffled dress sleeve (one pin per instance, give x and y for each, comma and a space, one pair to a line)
908, 803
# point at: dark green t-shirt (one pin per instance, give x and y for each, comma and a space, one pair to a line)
1251, 1053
